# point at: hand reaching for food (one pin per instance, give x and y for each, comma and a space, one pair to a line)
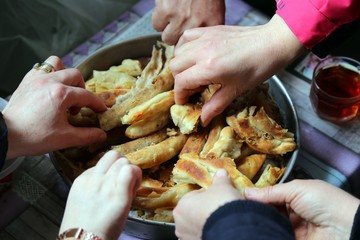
100, 198
189, 224
173, 17
38, 112
310, 208
222, 55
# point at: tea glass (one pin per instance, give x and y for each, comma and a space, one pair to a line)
335, 89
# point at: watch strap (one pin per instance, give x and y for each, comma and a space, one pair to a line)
78, 234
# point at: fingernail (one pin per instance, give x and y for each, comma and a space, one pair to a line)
102, 136
251, 191
221, 173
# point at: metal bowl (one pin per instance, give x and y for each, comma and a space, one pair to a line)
142, 47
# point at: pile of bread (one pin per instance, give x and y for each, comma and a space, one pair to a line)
176, 154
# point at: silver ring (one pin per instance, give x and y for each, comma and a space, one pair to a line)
47, 67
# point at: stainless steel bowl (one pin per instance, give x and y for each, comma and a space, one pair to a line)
142, 47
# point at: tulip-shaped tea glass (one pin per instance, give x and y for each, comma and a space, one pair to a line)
335, 89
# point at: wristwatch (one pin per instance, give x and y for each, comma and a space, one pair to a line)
3, 140
77, 234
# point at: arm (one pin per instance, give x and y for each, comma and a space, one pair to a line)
238, 217
312, 21
37, 113
317, 209
175, 16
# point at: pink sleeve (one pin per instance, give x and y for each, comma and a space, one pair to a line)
313, 20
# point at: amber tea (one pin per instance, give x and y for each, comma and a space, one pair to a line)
335, 89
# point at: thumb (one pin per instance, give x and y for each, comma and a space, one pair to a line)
268, 195
221, 177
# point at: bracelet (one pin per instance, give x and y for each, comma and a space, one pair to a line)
3, 140
77, 234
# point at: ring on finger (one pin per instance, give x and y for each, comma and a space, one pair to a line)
47, 67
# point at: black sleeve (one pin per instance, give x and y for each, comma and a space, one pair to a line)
337, 37
248, 220
355, 232
3, 141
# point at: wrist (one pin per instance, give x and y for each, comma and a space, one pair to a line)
288, 45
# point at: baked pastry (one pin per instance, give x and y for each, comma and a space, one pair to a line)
261, 132
190, 168
186, 117
155, 78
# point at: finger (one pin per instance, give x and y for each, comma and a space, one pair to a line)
78, 98
171, 33
188, 82
83, 136
159, 21
107, 161
190, 35
269, 195
54, 61
215, 106
221, 177
114, 170
70, 76
181, 62
130, 177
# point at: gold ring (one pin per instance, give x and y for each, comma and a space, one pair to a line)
47, 67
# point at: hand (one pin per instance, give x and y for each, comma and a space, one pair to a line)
37, 113
195, 207
175, 16
100, 198
238, 58
316, 209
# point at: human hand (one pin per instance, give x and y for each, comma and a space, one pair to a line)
316, 209
37, 113
175, 16
237, 58
195, 207
100, 198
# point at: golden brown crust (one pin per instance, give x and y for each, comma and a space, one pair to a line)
149, 109
269, 176
190, 168
227, 145
216, 125
155, 78
140, 143
109, 96
147, 126
195, 142
156, 154
261, 132
162, 197
186, 117
250, 165
208, 92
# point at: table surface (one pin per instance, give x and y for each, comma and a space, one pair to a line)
33, 197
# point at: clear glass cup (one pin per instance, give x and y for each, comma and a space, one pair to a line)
335, 89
